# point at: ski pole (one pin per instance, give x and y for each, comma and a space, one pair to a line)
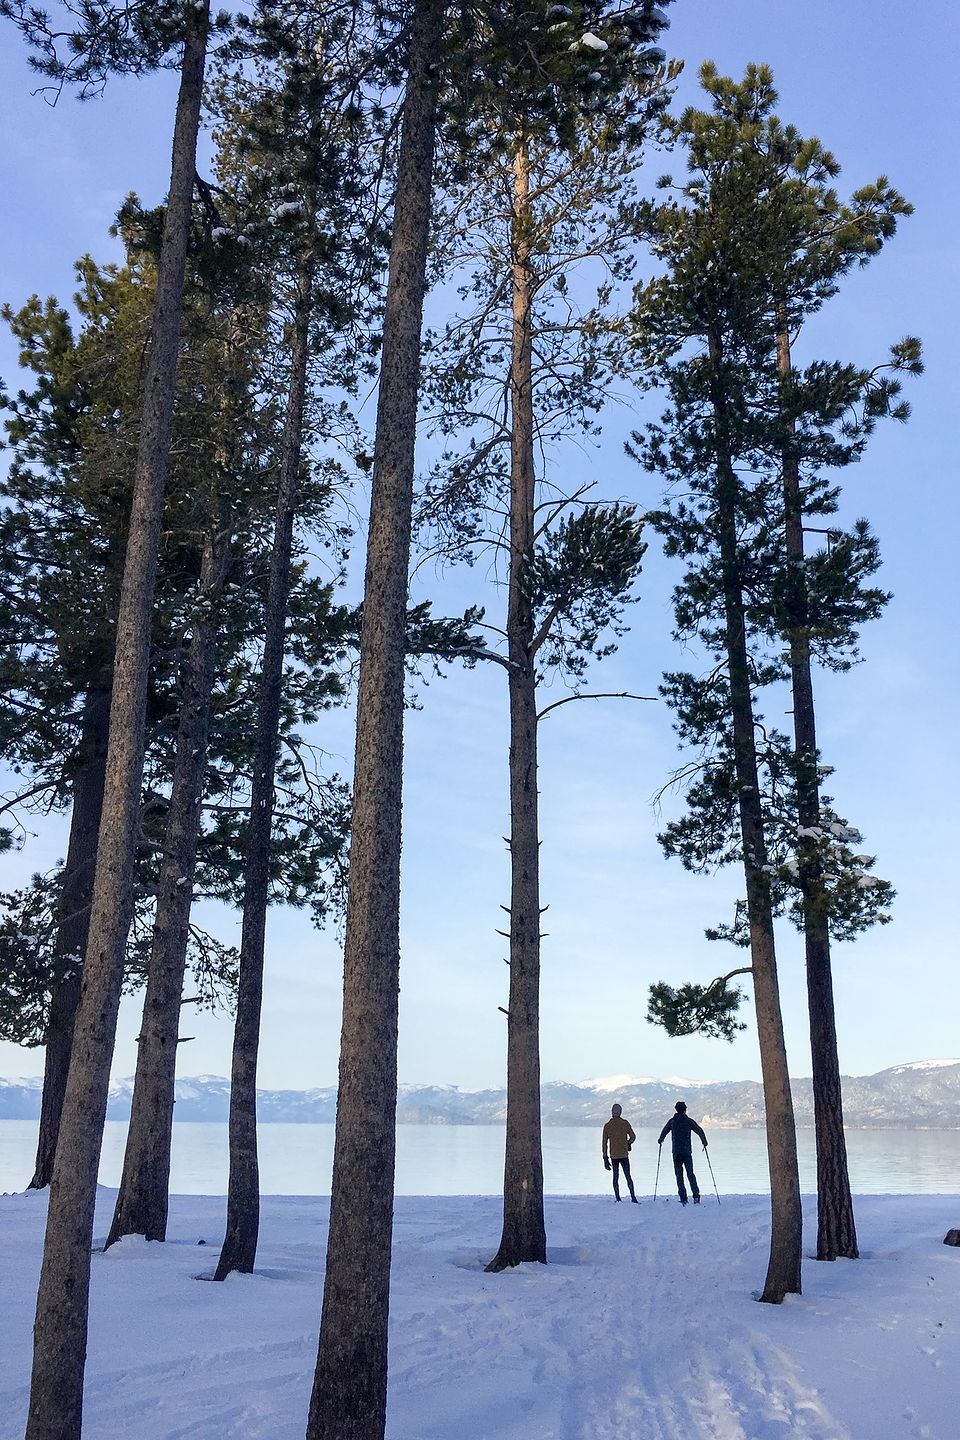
657, 1181
712, 1176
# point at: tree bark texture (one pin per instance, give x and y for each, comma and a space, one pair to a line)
786, 1237
524, 1233
239, 1248
350, 1386
836, 1228
60, 1329
141, 1207
73, 919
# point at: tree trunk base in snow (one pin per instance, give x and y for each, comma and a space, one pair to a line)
521, 1245
502, 1262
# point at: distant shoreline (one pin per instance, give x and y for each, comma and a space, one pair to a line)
923, 1095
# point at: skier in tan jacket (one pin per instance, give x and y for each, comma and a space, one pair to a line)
618, 1136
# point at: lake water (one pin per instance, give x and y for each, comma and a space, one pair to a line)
468, 1160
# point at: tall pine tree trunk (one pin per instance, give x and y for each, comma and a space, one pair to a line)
141, 1207
350, 1387
786, 1230
73, 919
524, 1233
836, 1230
239, 1248
60, 1330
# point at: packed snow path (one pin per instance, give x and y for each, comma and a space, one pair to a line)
642, 1327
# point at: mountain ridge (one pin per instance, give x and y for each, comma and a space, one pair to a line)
921, 1094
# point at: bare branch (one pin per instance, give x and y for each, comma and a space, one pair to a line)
25, 795
544, 631
561, 505
599, 695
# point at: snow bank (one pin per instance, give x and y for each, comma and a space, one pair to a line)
642, 1327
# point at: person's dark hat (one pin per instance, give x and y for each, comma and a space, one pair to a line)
681, 1106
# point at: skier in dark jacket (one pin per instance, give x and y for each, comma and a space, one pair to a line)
682, 1127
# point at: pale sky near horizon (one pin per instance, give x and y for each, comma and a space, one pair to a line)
876, 83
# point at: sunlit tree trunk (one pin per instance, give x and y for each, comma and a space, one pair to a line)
524, 1233
350, 1386
60, 1330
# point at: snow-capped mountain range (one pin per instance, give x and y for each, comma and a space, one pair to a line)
924, 1095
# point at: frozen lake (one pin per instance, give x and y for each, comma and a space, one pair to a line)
468, 1160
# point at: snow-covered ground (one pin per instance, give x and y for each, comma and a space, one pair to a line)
642, 1327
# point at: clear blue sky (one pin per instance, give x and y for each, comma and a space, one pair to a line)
876, 82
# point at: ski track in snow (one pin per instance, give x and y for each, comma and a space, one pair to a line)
643, 1326
663, 1371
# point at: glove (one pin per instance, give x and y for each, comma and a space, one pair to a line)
606, 1164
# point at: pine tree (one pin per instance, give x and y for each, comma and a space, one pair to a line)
804, 240
68, 502
58, 650
572, 559
301, 139
67, 509
794, 241
230, 425
349, 1391
705, 442
142, 1199
136, 38
349, 1399
560, 138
